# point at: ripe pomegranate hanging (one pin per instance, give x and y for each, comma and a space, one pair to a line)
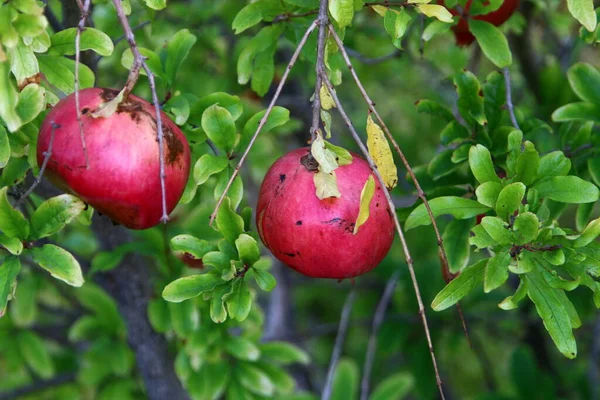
461, 30
123, 180
315, 237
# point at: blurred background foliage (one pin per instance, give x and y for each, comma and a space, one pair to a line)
58, 342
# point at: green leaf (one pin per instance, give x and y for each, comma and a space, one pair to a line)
8, 279
242, 348
219, 126
239, 301
433, 28
53, 214
577, 112
9, 96
492, 41
156, 4
526, 228
343, 156
236, 191
470, 99
32, 101
434, 109
60, 263
553, 313
589, 234
583, 215
496, 271
24, 64
510, 199
497, 230
553, 164
254, 379
264, 280
29, 25
585, 82
12, 244
568, 189
263, 71
158, 315
366, 195
395, 23
190, 286
284, 353
191, 245
184, 318
278, 116
342, 11
217, 259
583, 11
229, 223
487, 193
36, 354
460, 286
12, 222
63, 42
481, 164
152, 61
345, 380
282, 380
218, 313
456, 243
458, 207
177, 50
4, 147
511, 302
453, 132
527, 164
247, 249
179, 106
326, 158
394, 387
246, 18
208, 165
60, 72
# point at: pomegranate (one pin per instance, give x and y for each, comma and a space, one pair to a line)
497, 18
315, 237
122, 180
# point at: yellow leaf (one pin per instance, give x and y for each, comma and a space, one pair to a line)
107, 109
326, 185
366, 195
381, 10
325, 157
437, 11
327, 102
418, 1
380, 151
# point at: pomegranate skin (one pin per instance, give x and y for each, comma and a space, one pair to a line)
122, 181
314, 236
497, 18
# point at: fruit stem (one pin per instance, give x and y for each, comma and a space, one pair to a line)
322, 21
392, 208
138, 63
85, 8
47, 155
263, 121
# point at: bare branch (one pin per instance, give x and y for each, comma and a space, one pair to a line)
509, 103
372, 346
371, 105
138, 63
289, 16
85, 8
39, 386
392, 208
322, 21
339, 343
265, 117
47, 156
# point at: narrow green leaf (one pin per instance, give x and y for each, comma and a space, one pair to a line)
178, 49
577, 112
229, 223
568, 189
342, 11
246, 18
496, 271
480, 161
53, 214
264, 280
492, 41
60, 263
497, 230
190, 286
456, 243
458, 207
585, 82
8, 279
12, 222
63, 42
511, 302
207, 166
36, 354
345, 380
589, 234
396, 386
239, 301
247, 248
509, 200
219, 126
488, 192
191, 245
460, 286
242, 348
583, 11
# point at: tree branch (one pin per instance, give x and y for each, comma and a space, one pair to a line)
339, 343
509, 103
373, 60
392, 208
322, 21
80, 27
264, 119
39, 386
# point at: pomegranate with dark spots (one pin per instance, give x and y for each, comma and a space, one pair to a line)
461, 30
123, 178
315, 237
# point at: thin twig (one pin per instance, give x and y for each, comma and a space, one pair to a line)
372, 346
509, 103
339, 343
388, 4
322, 21
264, 119
371, 105
80, 28
392, 209
372, 60
39, 385
139, 62
47, 155
288, 16
133, 28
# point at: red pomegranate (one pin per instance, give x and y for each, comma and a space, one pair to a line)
497, 18
123, 180
315, 237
